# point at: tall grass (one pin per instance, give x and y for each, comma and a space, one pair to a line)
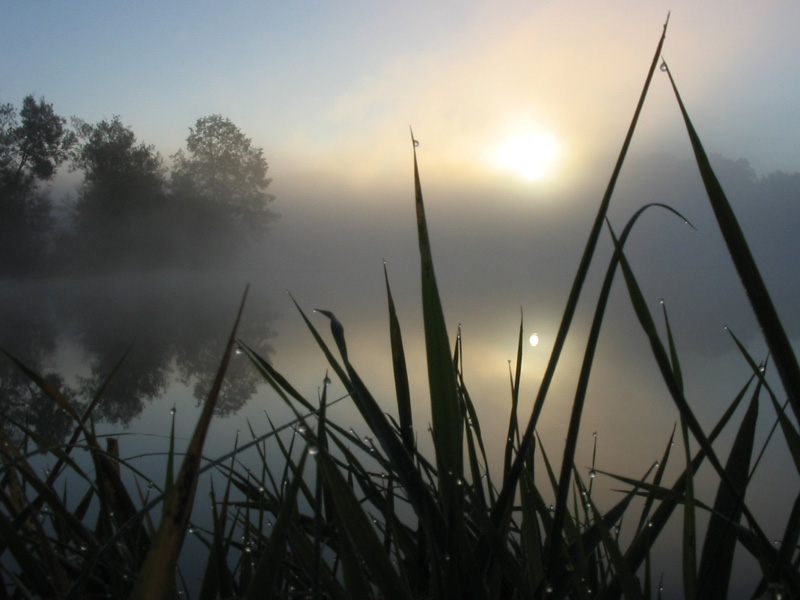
376, 518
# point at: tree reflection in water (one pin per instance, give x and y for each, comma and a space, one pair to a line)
74, 332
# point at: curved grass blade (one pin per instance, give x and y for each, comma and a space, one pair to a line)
507, 494
662, 360
157, 576
774, 333
570, 446
429, 514
639, 549
680, 401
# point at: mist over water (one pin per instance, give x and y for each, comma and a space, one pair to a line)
490, 262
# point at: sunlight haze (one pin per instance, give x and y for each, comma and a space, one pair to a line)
520, 109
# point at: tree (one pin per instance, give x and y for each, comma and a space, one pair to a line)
32, 146
224, 177
122, 200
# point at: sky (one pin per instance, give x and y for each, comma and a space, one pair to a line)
329, 90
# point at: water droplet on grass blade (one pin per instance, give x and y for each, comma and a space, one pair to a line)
416, 143
312, 450
592, 474
664, 67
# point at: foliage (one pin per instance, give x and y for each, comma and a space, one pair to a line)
377, 519
130, 214
220, 183
32, 145
122, 200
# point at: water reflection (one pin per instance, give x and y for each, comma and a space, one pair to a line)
168, 327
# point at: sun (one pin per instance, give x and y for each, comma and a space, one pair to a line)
531, 154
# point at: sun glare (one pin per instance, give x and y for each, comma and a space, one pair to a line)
531, 155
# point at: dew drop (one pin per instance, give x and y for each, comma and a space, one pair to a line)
592, 474
664, 66
238, 351
301, 428
416, 143
172, 411
552, 508
312, 450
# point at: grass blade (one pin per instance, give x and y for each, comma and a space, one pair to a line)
358, 527
507, 494
271, 559
400, 373
716, 562
445, 407
157, 576
571, 443
774, 333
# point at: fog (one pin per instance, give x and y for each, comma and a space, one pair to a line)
496, 258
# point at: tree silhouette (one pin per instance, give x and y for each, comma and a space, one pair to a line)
32, 145
220, 186
122, 201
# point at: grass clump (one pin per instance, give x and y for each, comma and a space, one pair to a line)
376, 518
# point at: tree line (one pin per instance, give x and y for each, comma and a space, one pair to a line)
130, 211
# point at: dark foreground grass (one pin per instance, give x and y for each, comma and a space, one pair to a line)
376, 518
